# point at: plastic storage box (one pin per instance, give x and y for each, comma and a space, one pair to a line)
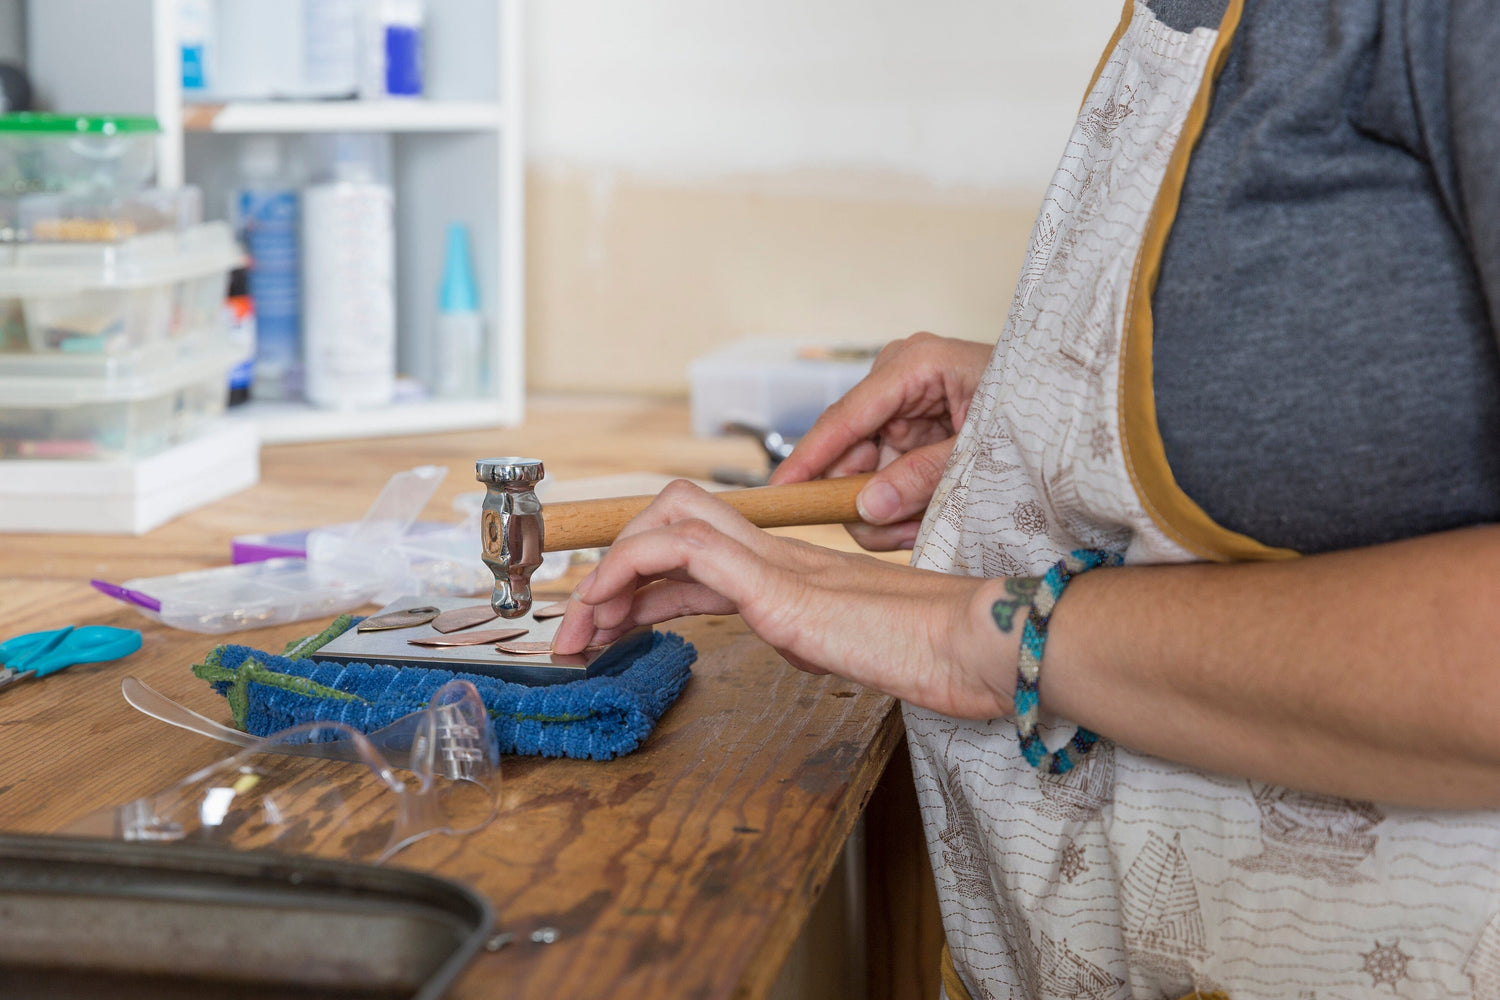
97, 217
49, 152
131, 412
770, 384
129, 497
114, 298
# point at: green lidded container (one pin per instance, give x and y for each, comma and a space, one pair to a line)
108, 154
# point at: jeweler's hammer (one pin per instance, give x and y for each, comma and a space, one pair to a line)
511, 530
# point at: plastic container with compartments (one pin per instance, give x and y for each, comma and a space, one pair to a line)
53, 152
129, 497
114, 298
95, 216
131, 412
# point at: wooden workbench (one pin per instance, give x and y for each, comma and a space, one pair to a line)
686, 869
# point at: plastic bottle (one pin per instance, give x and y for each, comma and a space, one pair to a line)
330, 48
403, 47
393, 50
265, 212
459, 339
195, 39
239, 311
349, 282
259, 51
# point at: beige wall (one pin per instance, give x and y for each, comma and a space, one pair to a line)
704, 170
629, 279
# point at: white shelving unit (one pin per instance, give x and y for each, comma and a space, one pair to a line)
457, 156
250, 117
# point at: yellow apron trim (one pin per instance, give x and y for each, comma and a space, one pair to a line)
1109, 49
951, 983
1145, 456
958, 991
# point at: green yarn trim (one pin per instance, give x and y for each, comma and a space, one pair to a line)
212, 669
301, 649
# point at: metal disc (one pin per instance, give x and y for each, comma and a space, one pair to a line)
550, 611
525, 648
535, 648
399, 619
473, 638
460, 618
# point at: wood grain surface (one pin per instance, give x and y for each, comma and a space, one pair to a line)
685, 869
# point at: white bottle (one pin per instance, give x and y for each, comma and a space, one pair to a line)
258, 50
349, 264
330, 48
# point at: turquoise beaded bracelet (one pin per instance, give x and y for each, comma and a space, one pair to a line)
1029, 666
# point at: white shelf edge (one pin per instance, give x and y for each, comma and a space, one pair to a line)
297, 423
242, 117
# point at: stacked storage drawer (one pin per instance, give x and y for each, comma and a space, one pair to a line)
114, 347
113, 350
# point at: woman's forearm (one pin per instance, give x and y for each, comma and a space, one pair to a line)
1373, 673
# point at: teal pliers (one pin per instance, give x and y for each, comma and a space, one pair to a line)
38, 654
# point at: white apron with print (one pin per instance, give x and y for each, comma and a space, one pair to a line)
1132, 877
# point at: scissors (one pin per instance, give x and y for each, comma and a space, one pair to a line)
38, 654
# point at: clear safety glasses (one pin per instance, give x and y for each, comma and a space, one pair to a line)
323, 787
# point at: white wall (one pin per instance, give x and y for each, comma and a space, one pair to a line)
975, 93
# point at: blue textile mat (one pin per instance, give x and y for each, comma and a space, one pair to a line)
597, 718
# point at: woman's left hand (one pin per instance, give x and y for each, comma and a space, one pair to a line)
928, 638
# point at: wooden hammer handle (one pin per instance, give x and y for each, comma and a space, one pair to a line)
590, 524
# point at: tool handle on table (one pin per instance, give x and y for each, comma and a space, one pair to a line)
590, 524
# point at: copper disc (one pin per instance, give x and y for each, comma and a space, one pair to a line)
525, 648
473, 638
461, 618
536, 648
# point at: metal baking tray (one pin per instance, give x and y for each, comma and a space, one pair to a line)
85, 919
393, 646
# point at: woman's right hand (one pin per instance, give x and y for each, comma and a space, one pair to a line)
900, 422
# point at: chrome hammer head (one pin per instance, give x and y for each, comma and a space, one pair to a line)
510, 529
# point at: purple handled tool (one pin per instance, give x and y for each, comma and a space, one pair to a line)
120, 593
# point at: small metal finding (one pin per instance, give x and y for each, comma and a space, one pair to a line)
499, 941
545, 935
462, 618
408, 618
550, 611
472, 638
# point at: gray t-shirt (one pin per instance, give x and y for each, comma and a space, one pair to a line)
1325, 364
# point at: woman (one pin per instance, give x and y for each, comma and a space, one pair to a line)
1257, 320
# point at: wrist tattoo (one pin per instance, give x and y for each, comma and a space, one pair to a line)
1019, 593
